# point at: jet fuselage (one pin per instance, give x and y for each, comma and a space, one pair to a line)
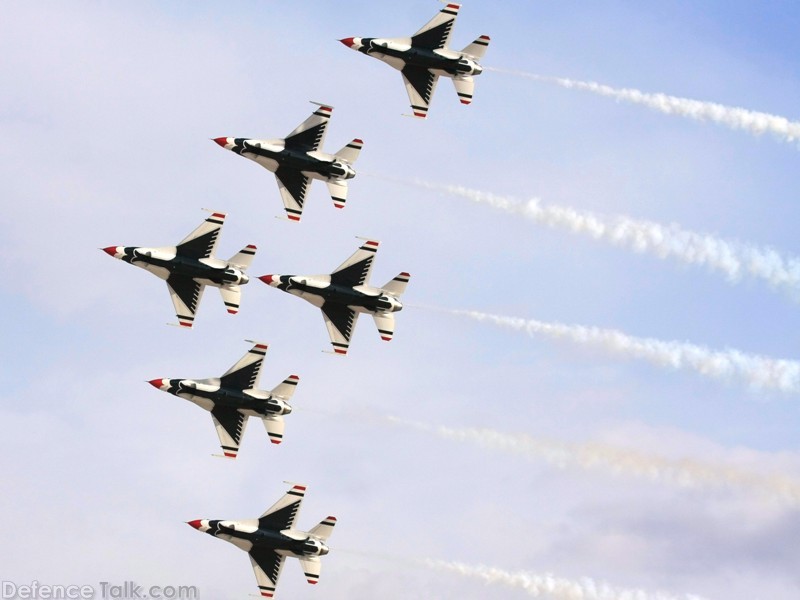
209, 395
165, 262
273, 155
298, 543
361, 298
446, 62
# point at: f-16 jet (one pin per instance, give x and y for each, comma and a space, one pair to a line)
233, 398
297, 159
345, 293
269, 539
424, 57
190, 266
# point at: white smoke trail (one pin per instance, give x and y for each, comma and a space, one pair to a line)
730, 257
550, 586
753, 122
758, 371
593, 456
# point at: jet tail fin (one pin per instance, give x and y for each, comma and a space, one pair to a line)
286, 388
350, 152
477, 48
325, 528
397, 286
244, 257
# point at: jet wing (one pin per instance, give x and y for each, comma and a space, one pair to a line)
202, 242
340, 321
267, 565
283, 514
230, 424
293, 186
245, 374
356, 269
186, 294
420, 84
435, 34
310, 134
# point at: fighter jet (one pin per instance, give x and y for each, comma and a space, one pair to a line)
272, 537
345, 293
297, 159
424, 56
190, 266
232, 398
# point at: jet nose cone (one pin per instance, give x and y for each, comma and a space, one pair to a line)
197, 523
111, 250
268, 279
349, 42
222, 141
157, 383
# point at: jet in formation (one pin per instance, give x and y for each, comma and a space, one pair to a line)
424, 57
345, 293
233, 398
297, 159
190, 266
272, 537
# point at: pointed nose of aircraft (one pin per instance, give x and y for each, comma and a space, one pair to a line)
349, 42
268, 279
222, 141
157, 383
197, 523
111, 250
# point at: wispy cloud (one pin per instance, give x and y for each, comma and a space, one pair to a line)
753, 122
593, 456
550, 586
755, 370
733, 259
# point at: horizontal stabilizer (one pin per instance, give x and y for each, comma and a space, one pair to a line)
244, 257
311, 567
397, 286
325, 528
232, 297
465, 86
477, 48
286, 388
385, 324
274, 427
350, 152
338, 192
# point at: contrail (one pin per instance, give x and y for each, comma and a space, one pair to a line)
758, 371
729, 257
550, 586
753, 122
593, 456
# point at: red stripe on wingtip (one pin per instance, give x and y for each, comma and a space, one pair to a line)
183, 324
251, 246
339, 351
274, 441
230, 454
218, 215
293, 218
386, 339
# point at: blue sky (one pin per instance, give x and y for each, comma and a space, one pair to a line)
107, 114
